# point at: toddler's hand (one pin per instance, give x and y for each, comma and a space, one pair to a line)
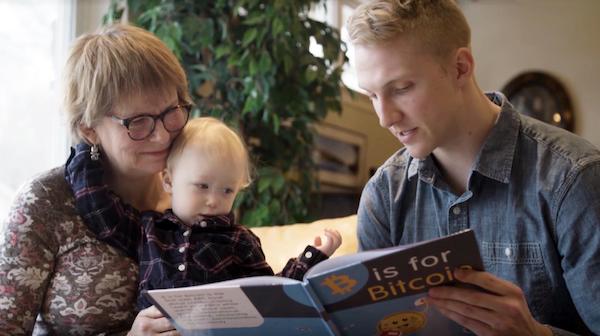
333, 240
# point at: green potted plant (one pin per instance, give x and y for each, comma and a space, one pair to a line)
248, 63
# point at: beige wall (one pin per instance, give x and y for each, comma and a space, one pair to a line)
556, 36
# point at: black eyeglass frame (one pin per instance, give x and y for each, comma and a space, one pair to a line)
127, 121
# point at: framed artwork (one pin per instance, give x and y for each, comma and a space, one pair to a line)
340, 156
541, 96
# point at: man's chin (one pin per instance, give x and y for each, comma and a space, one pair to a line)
417, 154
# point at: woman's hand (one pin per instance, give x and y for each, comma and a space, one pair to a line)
151, 321
502, 310
333, 240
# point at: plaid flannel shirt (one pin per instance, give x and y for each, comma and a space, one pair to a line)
171, 253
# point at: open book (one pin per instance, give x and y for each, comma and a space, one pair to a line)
370, 293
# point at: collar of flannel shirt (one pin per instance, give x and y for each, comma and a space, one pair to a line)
217, 221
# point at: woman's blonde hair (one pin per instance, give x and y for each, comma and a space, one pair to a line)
118, 62
214, 139
439, 25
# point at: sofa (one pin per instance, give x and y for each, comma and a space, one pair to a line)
285, 241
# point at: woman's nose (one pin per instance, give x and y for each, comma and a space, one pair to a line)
160, 134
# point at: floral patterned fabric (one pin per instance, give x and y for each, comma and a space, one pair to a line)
55, 276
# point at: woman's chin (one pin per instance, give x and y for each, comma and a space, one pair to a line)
152, 164
151, 168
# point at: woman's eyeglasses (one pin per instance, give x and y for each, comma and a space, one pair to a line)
142, 126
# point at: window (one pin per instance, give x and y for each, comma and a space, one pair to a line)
35, 37
349, 74
336, 13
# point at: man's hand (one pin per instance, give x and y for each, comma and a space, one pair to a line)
150, 321
502, 310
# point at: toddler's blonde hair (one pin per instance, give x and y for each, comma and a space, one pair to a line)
216, 140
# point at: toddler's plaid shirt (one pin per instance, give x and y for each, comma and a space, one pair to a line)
171, 253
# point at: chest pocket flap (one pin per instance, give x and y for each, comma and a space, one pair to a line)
511, 253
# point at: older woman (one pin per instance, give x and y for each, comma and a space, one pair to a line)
126, 96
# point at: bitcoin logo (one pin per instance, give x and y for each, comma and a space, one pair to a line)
339, 284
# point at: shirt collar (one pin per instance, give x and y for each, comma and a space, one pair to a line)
425, 168
496, 155
217, 221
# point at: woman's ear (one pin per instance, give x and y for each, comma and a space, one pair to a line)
88, 134
167, 182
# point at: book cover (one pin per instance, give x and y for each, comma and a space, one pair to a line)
376, 292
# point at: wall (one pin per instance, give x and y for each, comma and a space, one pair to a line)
89, 15
556, 36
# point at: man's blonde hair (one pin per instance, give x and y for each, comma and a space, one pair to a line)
117, 62
216, 140
439, 25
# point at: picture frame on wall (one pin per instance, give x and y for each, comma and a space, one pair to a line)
543, 97
340, 156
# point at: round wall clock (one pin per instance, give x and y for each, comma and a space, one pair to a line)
541, 96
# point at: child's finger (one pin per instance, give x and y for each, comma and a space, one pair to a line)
318, 241
334, 236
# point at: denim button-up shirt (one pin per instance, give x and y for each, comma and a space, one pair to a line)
533, 200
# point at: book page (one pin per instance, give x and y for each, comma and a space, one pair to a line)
262, 280
207, 308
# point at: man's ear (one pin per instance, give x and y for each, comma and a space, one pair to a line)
88, 134
464, 65
167, 181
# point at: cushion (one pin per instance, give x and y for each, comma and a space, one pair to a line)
280, 243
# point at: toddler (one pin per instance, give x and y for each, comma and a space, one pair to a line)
197, 241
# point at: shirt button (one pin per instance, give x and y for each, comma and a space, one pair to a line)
203, 224
186, 233
181, 267
182, 249
308, 254
456, 210
507, 252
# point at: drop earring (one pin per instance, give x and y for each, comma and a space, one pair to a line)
95, 152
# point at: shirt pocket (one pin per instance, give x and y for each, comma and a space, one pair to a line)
521, 263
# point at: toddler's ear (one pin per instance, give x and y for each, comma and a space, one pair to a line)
166, 181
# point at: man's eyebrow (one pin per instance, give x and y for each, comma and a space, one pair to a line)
384, 86
393, 81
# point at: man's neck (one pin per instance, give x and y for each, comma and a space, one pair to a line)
456, 159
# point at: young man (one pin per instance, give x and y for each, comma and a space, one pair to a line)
530, 191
